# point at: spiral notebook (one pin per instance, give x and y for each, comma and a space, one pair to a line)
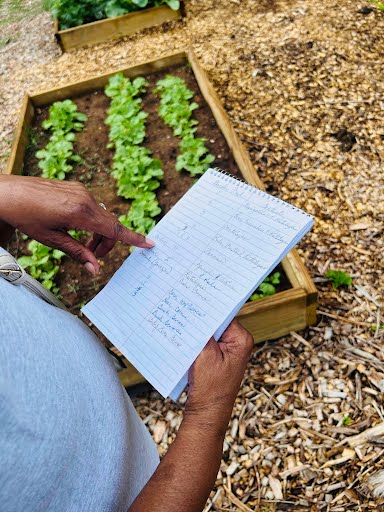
213, 249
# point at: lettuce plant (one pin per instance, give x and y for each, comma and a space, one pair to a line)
42, 264
268, 287
57, 157
194, 155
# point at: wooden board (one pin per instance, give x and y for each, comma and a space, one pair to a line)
21, 137
114, 28
268, 318
73, 89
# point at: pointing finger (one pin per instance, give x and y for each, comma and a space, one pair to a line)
106, 224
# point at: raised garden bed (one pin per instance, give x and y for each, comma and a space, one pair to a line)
114, 28
292, 308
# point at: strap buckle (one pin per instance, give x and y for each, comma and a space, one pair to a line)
11, 271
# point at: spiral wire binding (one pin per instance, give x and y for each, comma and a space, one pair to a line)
252, 188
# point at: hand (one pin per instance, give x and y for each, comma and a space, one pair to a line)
46, 209
215, 378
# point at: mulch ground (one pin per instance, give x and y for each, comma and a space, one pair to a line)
301, 81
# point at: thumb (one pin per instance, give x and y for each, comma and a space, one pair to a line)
237, 341
208, 355
75, 250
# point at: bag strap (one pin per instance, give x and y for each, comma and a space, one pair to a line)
12, 272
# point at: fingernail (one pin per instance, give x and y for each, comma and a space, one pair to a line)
91, 268
149, 242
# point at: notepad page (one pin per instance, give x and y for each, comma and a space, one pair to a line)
212, 249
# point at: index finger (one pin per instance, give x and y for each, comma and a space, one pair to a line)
106, 224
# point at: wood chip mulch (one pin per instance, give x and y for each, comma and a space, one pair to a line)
302, 81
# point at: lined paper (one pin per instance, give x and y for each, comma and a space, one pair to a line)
213, 249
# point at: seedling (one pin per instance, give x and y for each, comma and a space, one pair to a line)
267, 287
42, 264
338, 278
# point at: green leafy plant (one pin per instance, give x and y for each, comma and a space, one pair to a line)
72, 13
57, 157
64, 117
338, 278
142, 212
42, 264
176, 109
137, 174
268, 287
136, 171
175, 106
194, 156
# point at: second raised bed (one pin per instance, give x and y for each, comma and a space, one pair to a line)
114, 28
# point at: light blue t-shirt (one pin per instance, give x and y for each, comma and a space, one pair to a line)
70, 438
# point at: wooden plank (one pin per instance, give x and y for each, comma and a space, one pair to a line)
275, 316
299, 276
130, 376
115, 28
99, 81
297, 272
57, 37
20, 138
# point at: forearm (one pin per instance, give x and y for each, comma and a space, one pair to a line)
187, 473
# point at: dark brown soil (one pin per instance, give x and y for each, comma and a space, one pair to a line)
76, 286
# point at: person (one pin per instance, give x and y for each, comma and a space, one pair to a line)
70, 439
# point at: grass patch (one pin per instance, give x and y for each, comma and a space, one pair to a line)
12, 11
